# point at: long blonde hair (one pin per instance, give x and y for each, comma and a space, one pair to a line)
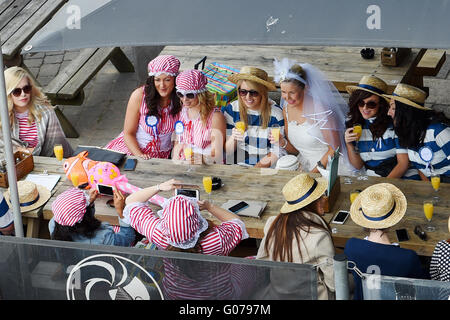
13, 76
208, 103
266, 109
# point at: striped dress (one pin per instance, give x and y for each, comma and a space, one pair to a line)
437, 137
27, 132
256, 139
157, 146
197, 133
220, 241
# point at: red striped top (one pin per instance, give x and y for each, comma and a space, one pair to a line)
27, 132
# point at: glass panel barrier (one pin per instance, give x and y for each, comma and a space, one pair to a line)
376, 287
47, 269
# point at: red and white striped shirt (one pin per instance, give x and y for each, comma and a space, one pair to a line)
159, 146
27, 132
221, 240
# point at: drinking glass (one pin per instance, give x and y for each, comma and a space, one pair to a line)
435, 182
275, 131
357, 128
188, 153
207, 185
354, 194
240, 125
59, 152
428, 208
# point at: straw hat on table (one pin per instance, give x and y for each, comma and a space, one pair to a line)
370, 84
253, 74
379, 206
31, 195
409, 95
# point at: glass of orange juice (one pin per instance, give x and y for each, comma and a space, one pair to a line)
275, 131
354, 194
428, 208
207, 185
188, 153
240, 125
435, 182
59, 152
357, 128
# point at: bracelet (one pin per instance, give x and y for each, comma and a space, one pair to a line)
157, 187
285, 144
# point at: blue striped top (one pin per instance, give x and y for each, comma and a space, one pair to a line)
437, 138
256, 140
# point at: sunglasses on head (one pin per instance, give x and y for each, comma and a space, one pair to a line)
18, 91
187, 95
369, 104
253, 93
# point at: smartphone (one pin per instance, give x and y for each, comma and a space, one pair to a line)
402, 235
340, 217
188, 193
130, 165
105, 190
238, 207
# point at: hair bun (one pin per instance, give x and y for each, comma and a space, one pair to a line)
297, 69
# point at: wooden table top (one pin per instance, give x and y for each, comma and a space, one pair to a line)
342, 65
256, 184
21, 19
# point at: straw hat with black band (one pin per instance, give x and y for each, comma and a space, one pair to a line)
409, 95
370, 84
253, 74
301, 191
379, 206
31, 195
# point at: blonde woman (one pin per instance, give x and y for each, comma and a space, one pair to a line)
259, 113
203, 124
34, 125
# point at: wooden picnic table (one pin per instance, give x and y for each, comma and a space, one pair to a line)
261, 184
342, 65
19, 21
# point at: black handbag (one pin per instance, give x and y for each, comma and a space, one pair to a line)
101, 154
385, 167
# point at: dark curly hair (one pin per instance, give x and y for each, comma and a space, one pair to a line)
381, 123
152, 99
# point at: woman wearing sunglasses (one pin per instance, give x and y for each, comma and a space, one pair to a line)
203, 123
34, 125
259, 113
151, 113
377, 149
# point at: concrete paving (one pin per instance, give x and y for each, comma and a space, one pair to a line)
100, 118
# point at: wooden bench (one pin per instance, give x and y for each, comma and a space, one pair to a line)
67, 87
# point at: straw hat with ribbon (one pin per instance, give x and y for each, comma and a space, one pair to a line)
31, 195
253, 74
301, 191
409, 95
379, 206
370, 84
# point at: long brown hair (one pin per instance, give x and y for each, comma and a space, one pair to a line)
285, 227
208, 102
152, 99
266, 109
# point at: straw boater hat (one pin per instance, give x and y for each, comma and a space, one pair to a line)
255, 75
69, 207
191, 81
370, 84
31, 195
165, 64
379, 206
301, 191
409, 95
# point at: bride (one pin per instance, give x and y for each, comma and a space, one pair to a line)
314, 115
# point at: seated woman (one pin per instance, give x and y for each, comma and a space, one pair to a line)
377, 146
180, 226
258, 113
151, 113
299, 234
74, 220
314, 114
378, 208
423, 131
204, 124
440, 260
34, 124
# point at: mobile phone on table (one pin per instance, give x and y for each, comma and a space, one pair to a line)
340, 217
105, 189
402, 235
192, 193
238, 207
130, 165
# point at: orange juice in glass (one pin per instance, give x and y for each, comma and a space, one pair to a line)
357, 128
435, 183
240, 125
59, 152
428, 209
207, 185
188, 153
353, 195
276, 133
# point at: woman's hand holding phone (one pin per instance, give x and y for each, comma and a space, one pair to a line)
119, 201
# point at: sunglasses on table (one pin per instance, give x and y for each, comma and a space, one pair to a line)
253, 93
369, 104
187, 95
18, 91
